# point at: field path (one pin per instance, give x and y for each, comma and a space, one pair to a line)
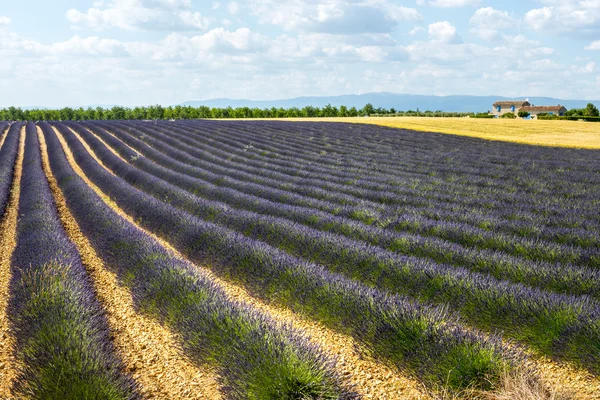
8, 242
150, 351
371, 378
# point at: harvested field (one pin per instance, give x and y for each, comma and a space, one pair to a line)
288, 260
572, 134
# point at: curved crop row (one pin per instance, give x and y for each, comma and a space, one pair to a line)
475, 233
435, 193
406, 333
255, 358
389, 195
554, 324
570, 279
62, 337
398, 182
380, 157
477, 237
365, 144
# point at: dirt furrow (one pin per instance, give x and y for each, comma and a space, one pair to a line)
8, 242
149, 350
110, 148
372, 379
565, 380
89, 150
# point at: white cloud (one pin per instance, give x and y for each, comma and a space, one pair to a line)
443, 31
575, 17
91, 46
415, 31
233, 7
454, 3
595, 45
493, 19
318, 47
489, 23
172, 15
335, 16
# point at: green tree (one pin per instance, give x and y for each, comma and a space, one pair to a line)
118, 113
523, 114
343, 111
592, 111
368, 109
329, 111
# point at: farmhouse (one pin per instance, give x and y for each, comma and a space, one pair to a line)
509, 106
514, 106
552, 110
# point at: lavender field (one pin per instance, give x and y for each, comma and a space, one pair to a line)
294, 260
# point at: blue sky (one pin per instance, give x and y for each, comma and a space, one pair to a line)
138, 52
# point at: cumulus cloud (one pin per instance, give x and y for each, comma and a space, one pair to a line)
574, 17
454, 3
489, 23
338, 17
90, 46
173, 15
233, 7
444, 32
595, 45
314, 47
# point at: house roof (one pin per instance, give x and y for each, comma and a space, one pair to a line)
543, 108
510, 103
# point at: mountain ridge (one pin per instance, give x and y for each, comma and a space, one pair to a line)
403, 102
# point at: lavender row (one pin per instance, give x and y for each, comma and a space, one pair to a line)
259, 145
254, 357
485, 301
513, 244
371, 190
275, 145
573, 280
62, 336
389, 146
321, 189
412, 336
140, 138
8, 155
350, 139
523, 227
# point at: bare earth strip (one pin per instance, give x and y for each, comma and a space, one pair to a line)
89, 150
372, 379
567, 381
8, 242
150, 351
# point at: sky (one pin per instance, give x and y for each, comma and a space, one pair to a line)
140, 52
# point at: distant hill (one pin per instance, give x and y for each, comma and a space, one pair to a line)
401, 102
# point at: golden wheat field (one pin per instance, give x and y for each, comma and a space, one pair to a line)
538, 132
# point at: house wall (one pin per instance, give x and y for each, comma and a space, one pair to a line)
560, 113
504, 110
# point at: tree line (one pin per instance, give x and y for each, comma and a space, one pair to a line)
589, 111
189, 112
